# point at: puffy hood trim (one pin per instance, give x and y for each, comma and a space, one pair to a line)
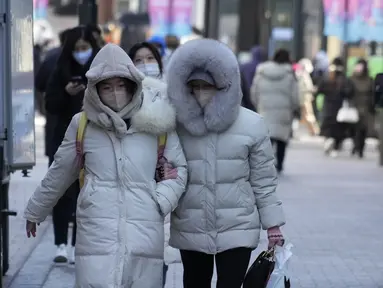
147, 113
217, 59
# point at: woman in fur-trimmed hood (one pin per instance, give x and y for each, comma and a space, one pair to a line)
230, 195
121, 208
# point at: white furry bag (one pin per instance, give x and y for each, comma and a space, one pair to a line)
347, 114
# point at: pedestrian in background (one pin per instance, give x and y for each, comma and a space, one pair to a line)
364, 93
335, 88
306, 92
121, 207
147, 59
63, 99
259, 55
275, 95
230, 194
379, 107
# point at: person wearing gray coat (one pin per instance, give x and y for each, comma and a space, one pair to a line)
230, 195
275, 94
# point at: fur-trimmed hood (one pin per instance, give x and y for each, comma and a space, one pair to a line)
217, 59
147, 112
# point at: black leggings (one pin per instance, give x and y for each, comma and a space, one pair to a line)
280, 152
231, 268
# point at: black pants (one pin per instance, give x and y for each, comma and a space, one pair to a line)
280, 152
360, 138
64, 212
231, 268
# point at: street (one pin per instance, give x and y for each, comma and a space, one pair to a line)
333, 209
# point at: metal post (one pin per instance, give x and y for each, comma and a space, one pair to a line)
211, 18
345, 34
87, 12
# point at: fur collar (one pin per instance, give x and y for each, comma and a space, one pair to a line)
147, 112
217, 59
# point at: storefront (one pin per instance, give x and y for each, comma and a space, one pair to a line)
291, 24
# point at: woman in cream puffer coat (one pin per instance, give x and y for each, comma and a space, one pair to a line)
230, 195
121, 208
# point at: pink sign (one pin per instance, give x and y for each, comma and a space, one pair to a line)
171, 16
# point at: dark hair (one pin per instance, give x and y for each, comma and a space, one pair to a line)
365, 71
282, 56
133, 51
62, 36
66, 60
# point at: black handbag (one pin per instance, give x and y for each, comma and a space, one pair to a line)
259, 273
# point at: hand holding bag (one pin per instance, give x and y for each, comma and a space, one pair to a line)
347, 114
258, 274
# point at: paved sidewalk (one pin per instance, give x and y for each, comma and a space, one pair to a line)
334, 213
20, 190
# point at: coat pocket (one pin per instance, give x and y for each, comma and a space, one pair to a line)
83, 201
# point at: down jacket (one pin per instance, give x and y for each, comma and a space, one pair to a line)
232, 178
121, 208
159, 90
275, 95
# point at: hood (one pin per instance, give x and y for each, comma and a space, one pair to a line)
259, 54
274, 71
321, 61
146, 112
217, 59
159, 40
307, 65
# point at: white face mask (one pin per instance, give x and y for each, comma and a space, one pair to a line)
203, 96
116, 100
150, 69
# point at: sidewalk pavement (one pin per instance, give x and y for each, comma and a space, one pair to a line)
333, 210
20, 190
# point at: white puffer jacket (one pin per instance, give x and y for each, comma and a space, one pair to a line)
120, 209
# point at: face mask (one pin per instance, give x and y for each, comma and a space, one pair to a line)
117, 99
150, 69
83, 57
203, 97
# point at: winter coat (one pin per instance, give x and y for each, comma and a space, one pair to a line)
363, 98
275, 95
159, 90
41, 81
335, 92
259, 55
58, 102
379, 90
232, 178
121, 208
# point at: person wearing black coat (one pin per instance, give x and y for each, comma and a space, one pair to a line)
379, 107
246, 102
42, 76
63, 99
336, 88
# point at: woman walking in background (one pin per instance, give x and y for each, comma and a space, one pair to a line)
364, 102
148, 60
336, 88
63, 99
275, 95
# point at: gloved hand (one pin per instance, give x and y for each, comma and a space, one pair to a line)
275, 237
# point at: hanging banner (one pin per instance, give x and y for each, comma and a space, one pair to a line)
170, 17
364, 20
40, 9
